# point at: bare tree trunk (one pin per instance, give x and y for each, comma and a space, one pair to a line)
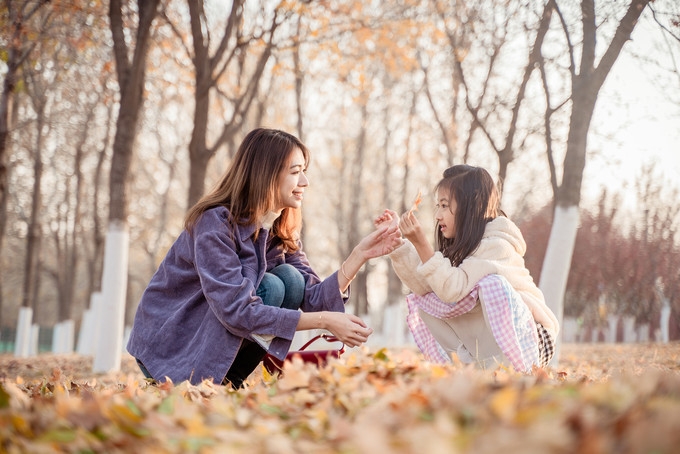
298, 81
208, 70
71, 252
586, 85
18, 50
359, 293
95, 259
34, 235
131, 75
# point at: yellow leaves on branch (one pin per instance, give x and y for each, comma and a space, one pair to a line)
382, 401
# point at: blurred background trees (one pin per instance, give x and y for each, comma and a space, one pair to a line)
385, 94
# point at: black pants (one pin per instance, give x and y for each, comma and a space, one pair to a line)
248, 357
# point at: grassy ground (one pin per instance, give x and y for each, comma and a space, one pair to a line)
619, 398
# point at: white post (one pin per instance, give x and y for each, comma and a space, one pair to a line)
22, 340
643, 332
68, 328
126, 337
97, 301
390, 328
613, 321
114, 288
629, 335
595, 334
556, 263
57, 346
34, 343
569, 330
665, 319
84, 346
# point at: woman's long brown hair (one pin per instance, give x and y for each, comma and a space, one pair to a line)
250, 186
478, 202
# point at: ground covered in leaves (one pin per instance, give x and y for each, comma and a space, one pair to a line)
602, 398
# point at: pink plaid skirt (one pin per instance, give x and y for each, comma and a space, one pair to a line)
513, 327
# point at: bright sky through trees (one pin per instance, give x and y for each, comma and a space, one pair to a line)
637, 122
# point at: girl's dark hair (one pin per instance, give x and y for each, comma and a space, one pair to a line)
477, 202
250, 186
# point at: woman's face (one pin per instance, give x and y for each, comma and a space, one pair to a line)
445, 214
293, 181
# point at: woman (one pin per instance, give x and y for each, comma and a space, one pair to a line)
229, 289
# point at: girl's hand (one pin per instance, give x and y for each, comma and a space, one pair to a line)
348, 328
412, 230
388, 217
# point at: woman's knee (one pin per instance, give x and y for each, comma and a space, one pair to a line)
294, 284
272, 290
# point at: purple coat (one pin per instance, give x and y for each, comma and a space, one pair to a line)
201, 302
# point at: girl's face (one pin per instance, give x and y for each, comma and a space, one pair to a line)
445, 214
293, 181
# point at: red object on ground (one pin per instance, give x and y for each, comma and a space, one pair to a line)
318, 357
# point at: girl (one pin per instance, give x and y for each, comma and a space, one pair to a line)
473, 296
229, 289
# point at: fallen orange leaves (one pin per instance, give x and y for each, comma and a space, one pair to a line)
384, 401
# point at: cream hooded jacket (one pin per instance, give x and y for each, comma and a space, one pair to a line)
501, 251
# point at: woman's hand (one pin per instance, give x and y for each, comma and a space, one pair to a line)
383, 240
348, 328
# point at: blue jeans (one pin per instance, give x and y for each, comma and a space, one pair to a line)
282, 287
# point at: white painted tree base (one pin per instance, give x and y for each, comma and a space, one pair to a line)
629, 334
22, 340
664, 323
33, 347
110, 325
89, 328
85, 334
613, 324
556, 264
63, 337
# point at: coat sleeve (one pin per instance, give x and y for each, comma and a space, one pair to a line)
452, 283
320, 295
405, 261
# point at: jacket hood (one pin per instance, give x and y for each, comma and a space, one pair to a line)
504, 228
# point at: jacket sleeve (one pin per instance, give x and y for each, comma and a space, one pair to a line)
452, 283
405, 261
320, 295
